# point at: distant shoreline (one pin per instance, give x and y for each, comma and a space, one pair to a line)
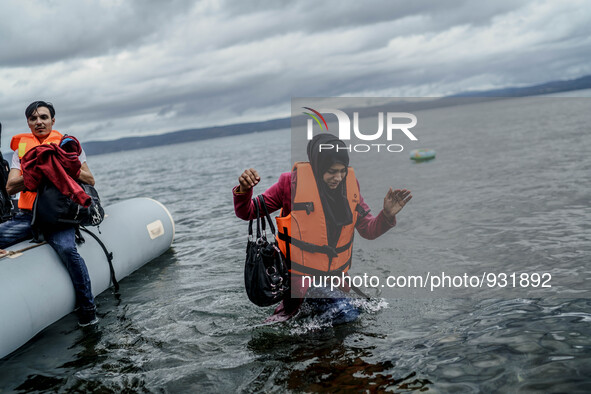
189, 135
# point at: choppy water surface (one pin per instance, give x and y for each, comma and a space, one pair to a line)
512, 195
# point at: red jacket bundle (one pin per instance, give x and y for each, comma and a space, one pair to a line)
57, 165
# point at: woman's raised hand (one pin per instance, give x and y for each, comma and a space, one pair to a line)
249, 178
395, 201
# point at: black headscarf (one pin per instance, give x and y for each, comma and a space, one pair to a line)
334, 201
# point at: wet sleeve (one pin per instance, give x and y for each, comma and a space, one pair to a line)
274, 197
243, 204
277, 195
369, 226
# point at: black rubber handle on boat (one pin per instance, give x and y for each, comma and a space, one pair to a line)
108, 254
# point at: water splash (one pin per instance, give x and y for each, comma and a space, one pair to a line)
320, 314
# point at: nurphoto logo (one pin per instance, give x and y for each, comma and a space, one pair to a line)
391, 124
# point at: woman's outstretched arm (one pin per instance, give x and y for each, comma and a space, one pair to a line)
276, 197
371, 227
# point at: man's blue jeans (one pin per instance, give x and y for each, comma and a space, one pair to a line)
15, 230
64, 243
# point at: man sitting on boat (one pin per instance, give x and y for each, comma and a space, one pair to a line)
41, 118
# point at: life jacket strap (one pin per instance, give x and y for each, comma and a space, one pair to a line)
303, 206
315, 272
362, 212
308, 247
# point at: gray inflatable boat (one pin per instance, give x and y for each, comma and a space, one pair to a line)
35, 288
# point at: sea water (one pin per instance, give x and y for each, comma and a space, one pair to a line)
517, 196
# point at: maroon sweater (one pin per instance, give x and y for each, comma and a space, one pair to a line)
278, 197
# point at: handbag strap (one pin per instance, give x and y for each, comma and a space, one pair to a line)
262, 216
250, 229
266, 212
263, 222
256, 207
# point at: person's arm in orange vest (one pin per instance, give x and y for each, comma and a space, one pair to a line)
15, 183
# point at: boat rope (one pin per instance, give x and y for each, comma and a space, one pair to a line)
107, 253
13, 252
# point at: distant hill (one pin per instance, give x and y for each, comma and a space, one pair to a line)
545, 88
175, 137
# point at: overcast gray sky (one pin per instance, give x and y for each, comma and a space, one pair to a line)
116, 68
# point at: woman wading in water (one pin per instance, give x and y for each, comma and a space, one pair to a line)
315, 230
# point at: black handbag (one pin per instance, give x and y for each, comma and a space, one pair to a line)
266, 275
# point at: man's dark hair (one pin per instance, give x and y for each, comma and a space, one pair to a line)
36, 104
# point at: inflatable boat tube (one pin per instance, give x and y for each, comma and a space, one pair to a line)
35, 288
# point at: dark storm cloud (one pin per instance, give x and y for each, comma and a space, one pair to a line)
117, 68
43, 32
312, 16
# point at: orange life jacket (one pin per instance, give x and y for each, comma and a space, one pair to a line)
24, 143
302, 235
